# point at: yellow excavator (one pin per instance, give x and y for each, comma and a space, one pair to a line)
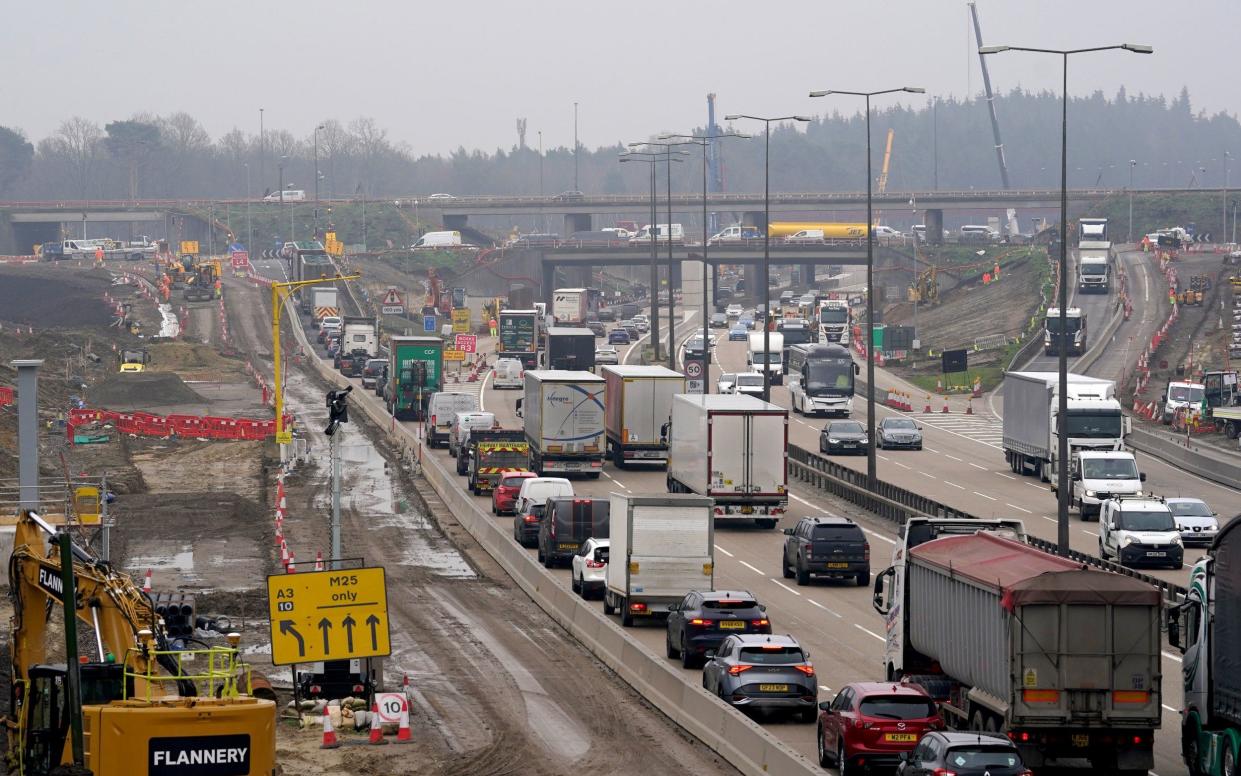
142, 710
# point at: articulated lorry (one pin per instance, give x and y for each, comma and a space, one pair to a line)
320, 302
359, 339
733, 449
662, 547
519, 336
415, 371
1072, 339
1063, 659
1206, 628
136, 250
570, 305
1031, 402
563, 413
639, 409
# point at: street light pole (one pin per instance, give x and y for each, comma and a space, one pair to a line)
766, 281
1132, 163
316, 214
262, 150
1062, 409
651, 159
249, 228
542, 216
575, 147
871, 462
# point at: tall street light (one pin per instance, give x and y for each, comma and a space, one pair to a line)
316, 215
576, 148
871, 464
262, 151
249, 228
667, 153
704, 142
1062, 410
651, 159
765, 285
1132, 163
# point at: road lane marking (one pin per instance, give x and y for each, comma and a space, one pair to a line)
953, 457
928, 476
721, 549
825, 688
903, 466
953, 484
786, 587
824, 608
751, 568
931, 449
482, 391
1170, 656
1022, 509
869, 631
976, 466
984, 495
1048, 518
1032, 485
1092, 533
1007, 476
882, 457
613, 479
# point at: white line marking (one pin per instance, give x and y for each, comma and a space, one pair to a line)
613, 479
1007, 476
482, 391
931, 449
869, 631
718, 548
1169, 708
1092, 533
953, 484
984, 495
1048, 519
976, 466
882, 457
786, 587
1021, 509
825, 688
1032, 485
751, 568
1171, 656
953, 457
903, 466
821, 606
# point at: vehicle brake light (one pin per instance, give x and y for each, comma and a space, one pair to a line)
595, 564
699, 621
943, 772
1138, 740
866, 552
719, 510
531, 518
808, 670
737, 669
432, 420
637, 607
761, 623
315, 689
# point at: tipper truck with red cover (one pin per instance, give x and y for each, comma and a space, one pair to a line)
1206, 628
1063, 659
639, 408
733, 449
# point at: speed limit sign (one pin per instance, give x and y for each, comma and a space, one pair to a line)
693, 369
389, 705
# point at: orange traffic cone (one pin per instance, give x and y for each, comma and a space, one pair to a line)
403, 735
927, 408
944, 411
329, 733
969, 407
146, 582
284, 553
377, 730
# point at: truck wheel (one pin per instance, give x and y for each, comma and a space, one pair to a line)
627, 618
607, 604
1190, 747
803, 576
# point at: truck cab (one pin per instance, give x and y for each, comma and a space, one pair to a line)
1073, 338
1092, 271
1096, 476
1137, 530
771, 360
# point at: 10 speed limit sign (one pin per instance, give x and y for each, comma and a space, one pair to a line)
389, 705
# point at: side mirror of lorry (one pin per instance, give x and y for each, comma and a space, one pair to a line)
857, 370
518, 410
1174, 628
1142, 477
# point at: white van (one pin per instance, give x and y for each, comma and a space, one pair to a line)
443, 406
805, 237
978, 234
537, 490
462, 423
438, 240
660, 232
290, 195
509, 374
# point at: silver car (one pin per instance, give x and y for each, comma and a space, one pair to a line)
895, 433
1195, 519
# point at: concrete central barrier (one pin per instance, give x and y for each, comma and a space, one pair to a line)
724, 730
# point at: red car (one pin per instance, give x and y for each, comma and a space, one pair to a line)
504, 495
870, 724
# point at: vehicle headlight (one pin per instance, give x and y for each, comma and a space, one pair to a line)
1128, 540
1176, 540
1090, 494
831, 441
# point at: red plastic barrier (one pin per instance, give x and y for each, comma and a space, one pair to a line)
6, 395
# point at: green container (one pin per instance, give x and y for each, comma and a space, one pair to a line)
877, 341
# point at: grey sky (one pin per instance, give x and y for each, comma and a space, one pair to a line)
441, 75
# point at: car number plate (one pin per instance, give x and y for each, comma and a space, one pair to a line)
838, 565
900, 736
773, 688
1154, 554
1081, 740
570, 466
747, 510
567, 546
732, 624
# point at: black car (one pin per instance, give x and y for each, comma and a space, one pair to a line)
843, 436
607, 315
827, 546
701, 621
526, 525
898, 433
753, 671
963, 754
719, 321
596, 327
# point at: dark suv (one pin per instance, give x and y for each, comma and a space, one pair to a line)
826, 547
567, 523
702, 620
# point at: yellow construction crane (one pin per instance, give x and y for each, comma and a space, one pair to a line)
883, 171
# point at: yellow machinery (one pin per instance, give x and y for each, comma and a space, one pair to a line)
134, 360
200, 282
926, 287
142, 712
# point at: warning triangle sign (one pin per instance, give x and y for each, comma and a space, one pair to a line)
392, 297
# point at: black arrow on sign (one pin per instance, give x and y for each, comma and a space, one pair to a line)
286, 628
373, 621
326, 626
349, 622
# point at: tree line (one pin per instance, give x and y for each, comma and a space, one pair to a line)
944, 143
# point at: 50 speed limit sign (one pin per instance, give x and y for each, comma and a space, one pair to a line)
693, 369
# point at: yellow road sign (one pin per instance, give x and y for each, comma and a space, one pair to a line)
328, 615
454, 355
461, 321
189, 246
284, 438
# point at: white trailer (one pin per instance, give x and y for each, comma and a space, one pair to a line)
563, 413
662, 547
569, 306
1031, 402
733, 449
639, 408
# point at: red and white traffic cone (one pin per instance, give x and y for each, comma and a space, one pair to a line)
927, 408
944, 411
403, 735
284, 553
329, 733
405, 684
292, 567
377, 729
319, 560
969, 407
146, 582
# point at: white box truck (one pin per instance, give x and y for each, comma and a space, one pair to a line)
570, 305
662, 547
772, 359
639, 408
1031, 402
322, 301
563, 414
733, 449
1093, 268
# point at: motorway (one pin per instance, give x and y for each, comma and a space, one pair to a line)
962, 464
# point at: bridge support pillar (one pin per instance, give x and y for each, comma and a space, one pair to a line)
576, 222
456, 223
807, 274
935, 226
549, 282
576, 276
715, 284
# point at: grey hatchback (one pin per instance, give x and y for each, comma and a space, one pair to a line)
754, 671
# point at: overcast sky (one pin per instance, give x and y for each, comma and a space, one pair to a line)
440, 75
